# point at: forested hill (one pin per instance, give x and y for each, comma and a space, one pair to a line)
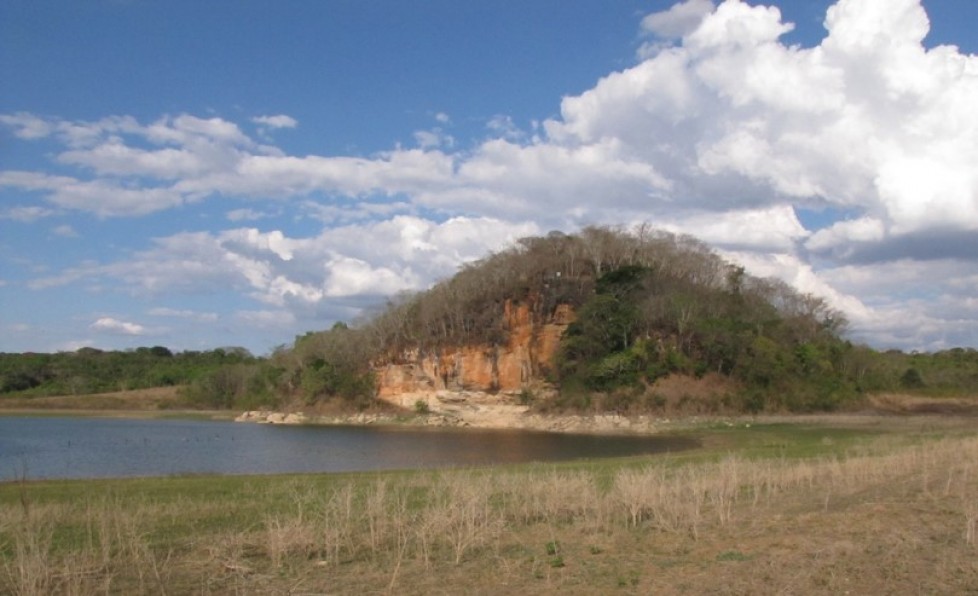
648, 304
648, 307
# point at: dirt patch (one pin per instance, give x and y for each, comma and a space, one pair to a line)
897, 403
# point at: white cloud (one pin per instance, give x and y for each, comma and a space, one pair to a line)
103, 197
74, 345
351, 277
841, 236
114, 158
733, 116
361, 211
502, 126
191, 131
277, 121
246, 214
803, 277
357, 260
27, 126
115, 326
106, 199
680, 19
436, 137
25, 213
774, 229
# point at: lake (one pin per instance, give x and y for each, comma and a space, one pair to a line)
55, 447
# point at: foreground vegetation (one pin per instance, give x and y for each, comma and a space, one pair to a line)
773, 509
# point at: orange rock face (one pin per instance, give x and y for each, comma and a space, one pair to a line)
530, 350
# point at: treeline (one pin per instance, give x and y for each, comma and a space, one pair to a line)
89, 370
330, 366
945, 373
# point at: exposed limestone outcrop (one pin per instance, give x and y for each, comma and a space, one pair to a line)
474, 385
501, 371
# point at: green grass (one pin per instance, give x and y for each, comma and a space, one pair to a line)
222, 503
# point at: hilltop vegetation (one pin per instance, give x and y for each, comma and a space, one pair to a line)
649, 306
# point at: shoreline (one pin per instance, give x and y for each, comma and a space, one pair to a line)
500, 417
467, 409
175, 414
610, 424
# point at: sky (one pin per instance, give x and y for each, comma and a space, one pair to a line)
235, 173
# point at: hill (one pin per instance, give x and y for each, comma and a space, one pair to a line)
631, 310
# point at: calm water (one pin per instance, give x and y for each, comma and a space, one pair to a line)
92, 448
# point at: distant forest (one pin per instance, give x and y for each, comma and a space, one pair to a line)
649, 305
89, 370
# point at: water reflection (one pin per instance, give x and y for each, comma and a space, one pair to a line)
93, 448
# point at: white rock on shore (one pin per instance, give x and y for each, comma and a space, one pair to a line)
269, 417
460, 414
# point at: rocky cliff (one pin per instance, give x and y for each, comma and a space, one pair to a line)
501, 370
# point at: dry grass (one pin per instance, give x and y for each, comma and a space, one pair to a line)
137, 400
897, 403
686, 394
888, 518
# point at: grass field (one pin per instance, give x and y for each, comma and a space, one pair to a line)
833, 505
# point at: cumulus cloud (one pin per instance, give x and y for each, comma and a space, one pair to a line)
115, 326
774, 229
679, 20
404, 253
867, 119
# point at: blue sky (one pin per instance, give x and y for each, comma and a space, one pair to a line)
204, 174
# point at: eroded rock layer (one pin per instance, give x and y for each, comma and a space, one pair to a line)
496, 369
